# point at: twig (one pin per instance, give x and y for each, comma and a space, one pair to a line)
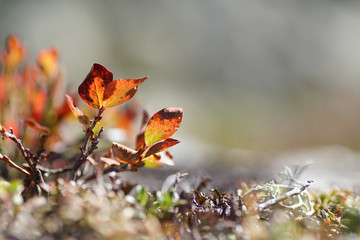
121, 168
84, 151
13, 165
293, 192
25, 152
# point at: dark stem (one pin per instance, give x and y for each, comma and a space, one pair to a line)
24, 151
84, 150
121, 168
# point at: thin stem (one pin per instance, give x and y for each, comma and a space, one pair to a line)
84, 150
121, 168
14, 165
25, 152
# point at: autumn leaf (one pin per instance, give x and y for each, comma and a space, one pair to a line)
83, 119
14, 53
38, 105
48, 62
98, 90
158, 160
163, 125
120, 91
124, 154
153, 161
161, 146
32, 123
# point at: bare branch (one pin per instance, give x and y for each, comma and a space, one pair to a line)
84, 150
14, 165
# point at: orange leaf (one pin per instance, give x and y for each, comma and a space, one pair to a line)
163, 125
14, 53
92, 89
100, 91
120, 91
32, 123
84, 120
161, 146
39, 102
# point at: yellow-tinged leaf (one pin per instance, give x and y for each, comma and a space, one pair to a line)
158, 160
163, 125
153, 161
48, 61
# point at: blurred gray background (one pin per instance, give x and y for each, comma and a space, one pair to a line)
257, 79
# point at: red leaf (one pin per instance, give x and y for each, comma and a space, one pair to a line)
100, 91
92, 89
161, 146
163, 125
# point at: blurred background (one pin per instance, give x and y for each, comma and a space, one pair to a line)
263, 83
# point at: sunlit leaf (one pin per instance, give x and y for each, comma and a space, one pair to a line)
153, 161
84, 120
124, 154
163, 125
32, 123
161, 146
158, 160
100, 91
120, 91
92, 89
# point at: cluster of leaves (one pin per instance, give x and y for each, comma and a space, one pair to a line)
32, 98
